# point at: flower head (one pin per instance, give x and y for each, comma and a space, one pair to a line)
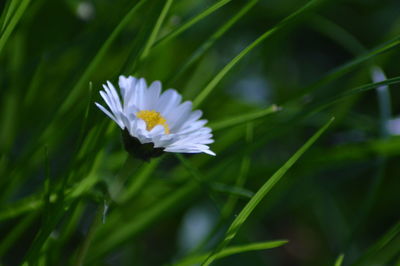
152, 121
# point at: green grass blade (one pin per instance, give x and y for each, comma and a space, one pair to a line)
195, 173
231, 190
339, 260
354, 91
13, 22
8, 12
156, 29
147, 217
191, 22
241, 119
243, 173
221, 74
35, 203
382, 250
175, 200
347, 67
336, 33
232, 251
9, 239
230, 204
139, 180
261, 193
210, 42
75, 92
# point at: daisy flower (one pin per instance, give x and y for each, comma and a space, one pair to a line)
153, 122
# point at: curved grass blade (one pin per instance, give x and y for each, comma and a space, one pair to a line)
384, 103
241, 119
261, 193
13, 22
336, 33
384, 100
191, 22
221, 74
232, 251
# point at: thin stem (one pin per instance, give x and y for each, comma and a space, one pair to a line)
114, 190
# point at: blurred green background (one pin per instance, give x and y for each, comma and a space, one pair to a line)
60, 202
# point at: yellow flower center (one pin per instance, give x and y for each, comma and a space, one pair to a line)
152, 119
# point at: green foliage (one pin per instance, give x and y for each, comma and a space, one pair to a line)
266, 74
261, 193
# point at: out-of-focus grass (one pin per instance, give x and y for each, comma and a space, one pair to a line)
267, 75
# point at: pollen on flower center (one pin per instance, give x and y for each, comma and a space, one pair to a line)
152, 119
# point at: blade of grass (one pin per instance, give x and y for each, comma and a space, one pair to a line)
52, 132
261, 193
339, 260
374, 254
8, 240
75, 92
363, 88
195, 173
123, 233
336, 33
169, 204
384, 103
191, 22
156, 29
13, 22
347, 67
52, 214
241, 119
8, 12
139, 181
232, 251
244, 171
231, 190
221, 74
211, 41
34, 203
230, 204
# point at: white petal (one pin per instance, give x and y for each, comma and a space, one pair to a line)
124, 84
109, 101
129, 98
121, 125
167, 102
114, 95
180, 115
139, 95
152, 95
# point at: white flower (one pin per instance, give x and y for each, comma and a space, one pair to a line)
154, 117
